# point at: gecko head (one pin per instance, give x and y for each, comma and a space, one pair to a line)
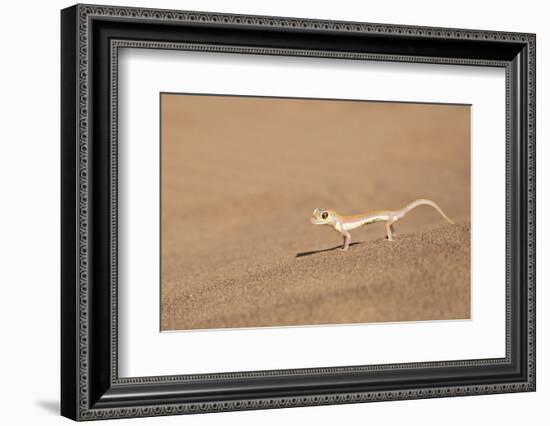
322, 217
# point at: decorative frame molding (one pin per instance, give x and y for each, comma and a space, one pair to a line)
91, 37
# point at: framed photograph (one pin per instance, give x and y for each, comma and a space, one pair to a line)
263, 212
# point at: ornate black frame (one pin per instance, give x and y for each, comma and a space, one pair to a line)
91, 37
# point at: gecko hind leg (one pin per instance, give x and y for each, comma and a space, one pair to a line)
389, 231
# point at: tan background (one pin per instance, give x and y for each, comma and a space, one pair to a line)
241, 176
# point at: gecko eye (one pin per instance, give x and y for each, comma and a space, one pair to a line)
324, 215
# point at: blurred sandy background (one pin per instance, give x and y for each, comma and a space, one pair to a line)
241, 176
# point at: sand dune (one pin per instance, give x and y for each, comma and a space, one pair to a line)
422, 276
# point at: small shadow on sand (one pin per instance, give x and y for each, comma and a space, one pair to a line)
339, 246
51, 406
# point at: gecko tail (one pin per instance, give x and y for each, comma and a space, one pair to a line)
426, 202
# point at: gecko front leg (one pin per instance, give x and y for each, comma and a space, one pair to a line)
347, 239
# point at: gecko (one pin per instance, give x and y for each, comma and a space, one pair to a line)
344, 224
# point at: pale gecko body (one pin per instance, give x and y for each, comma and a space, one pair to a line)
344, 224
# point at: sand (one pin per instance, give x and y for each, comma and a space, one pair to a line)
241, 176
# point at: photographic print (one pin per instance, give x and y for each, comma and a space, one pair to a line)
294, 212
